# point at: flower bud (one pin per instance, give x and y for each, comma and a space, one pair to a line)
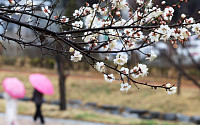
168, 85
71, 49
106, 58
87, 4
55, 17
117, 13
94, 44
183, 16
163, 2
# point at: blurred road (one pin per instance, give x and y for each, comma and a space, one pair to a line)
27, 120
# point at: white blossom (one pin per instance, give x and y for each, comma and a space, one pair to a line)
96, 23
134, 72
140, 70
125, 87
29, 2
76, 13
176, 33
165, 32
95, 6
137, 16
87, 10
143, 69
109, 78
122, 4
76, 56
46, 10
125, 71
189, 21
100, 66
82, 11
138, 35
168, 13
172, 90
151, 56
114, 35
112, 44
196, 28
153, 13
103, 11
184, 33
128, 31
121, 59
119, 23
64, 19
89, 36
130, 45
140, 2
150, 4
154, 36
77, 24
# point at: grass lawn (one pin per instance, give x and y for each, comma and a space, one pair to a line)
91, 87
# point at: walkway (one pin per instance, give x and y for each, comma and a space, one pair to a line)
27, 120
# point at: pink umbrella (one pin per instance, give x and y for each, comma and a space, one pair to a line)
41, 83
14, 87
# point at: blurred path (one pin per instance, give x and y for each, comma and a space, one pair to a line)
27, 120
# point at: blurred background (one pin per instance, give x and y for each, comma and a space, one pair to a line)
82, 93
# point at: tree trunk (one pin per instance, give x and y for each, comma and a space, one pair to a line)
179, 83
179, 75
62, 78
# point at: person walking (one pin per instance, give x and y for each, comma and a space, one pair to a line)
11, 94
11, 109
38, 99
42, 85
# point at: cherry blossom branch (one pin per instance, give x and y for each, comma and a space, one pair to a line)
100, 29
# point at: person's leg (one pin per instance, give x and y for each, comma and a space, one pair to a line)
40, 115
37, 112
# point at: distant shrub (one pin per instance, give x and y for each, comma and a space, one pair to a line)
35, 62
49, 63
194, 72
8, 60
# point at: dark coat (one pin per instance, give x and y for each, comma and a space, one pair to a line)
37, 97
